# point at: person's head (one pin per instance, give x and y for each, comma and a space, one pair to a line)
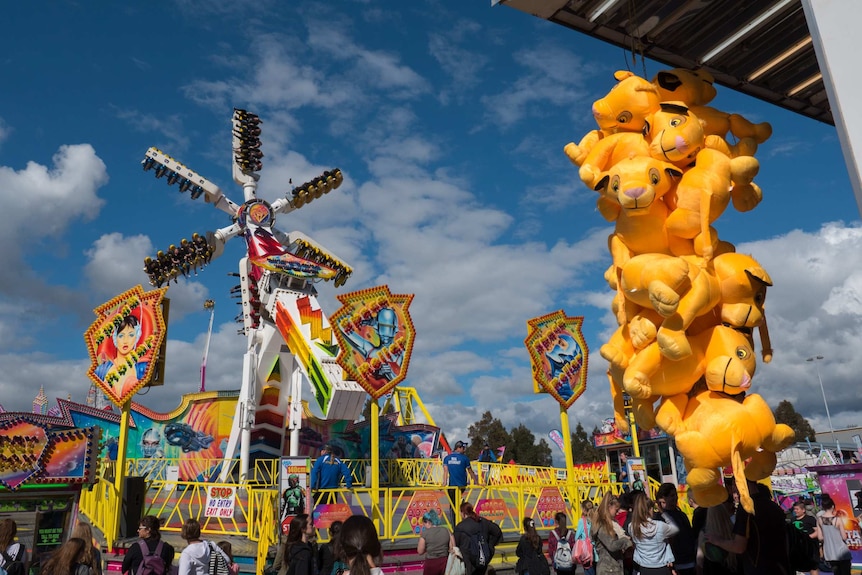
623, 458
430, 518
607, 511
486, 446
460, 447
227, 548
587, 509
63, 560
335, 529
467, 510
667, 496
127, 333
625, 501
642, 509
799, 509
293, 480
191, 530
360, 547
8, 530
301, 528
326, 449
530, 531
561, 521
148, 528
826, 502
83, 531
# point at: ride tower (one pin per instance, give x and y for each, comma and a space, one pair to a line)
288, 337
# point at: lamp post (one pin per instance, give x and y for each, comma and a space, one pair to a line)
814, 360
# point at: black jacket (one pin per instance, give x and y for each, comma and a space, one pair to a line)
133, 557
464, 531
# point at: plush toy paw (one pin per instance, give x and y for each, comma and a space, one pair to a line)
614, 355
637, 385
663, 298
575, 153
745, 197
641, 332
782, 436
743, 169
760, 465
673, 344
608, 208
643, 412
611, 277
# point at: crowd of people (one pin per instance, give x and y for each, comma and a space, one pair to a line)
625, 534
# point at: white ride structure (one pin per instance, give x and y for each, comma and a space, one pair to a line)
288, 337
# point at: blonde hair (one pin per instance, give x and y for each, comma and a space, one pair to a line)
88, 556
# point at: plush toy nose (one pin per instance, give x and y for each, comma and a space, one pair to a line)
681, 144
635, 193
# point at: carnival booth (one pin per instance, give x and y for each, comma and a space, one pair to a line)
43, 470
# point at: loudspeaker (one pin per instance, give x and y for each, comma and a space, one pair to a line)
134, 491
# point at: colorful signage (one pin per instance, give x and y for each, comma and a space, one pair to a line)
123, 342
491, 509
294, 480
221, 501
30, 453
550, 503
376, 336
559, 356
421, 503
325, 513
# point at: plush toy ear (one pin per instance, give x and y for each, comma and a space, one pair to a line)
603, 183
621, 75
674, 108
668, 80
673, 173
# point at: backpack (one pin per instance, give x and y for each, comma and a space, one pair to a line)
152, 563
479, 550
10, 566
563, 554
218, 564
583, 551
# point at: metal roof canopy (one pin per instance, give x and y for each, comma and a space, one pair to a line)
757, 47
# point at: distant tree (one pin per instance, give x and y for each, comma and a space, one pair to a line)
384, 409
583, 450
524, 449
787, 414
488, 430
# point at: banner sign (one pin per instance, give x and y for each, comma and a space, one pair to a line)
557, 438
221, 501
30, 453
376, 335
559, 356
123, 342
294, 480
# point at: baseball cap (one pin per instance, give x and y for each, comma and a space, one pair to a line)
460, 444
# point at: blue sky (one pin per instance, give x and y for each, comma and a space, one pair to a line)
448, 120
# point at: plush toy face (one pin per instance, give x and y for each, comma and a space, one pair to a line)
730, 361
626, 106
743, 284
694, 87
637, 182
676, 134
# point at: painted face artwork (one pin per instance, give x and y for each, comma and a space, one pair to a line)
126, 341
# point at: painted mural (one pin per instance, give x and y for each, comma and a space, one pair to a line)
559, 356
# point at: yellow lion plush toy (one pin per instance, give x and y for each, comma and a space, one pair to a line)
623, 109
714, 429
696, 89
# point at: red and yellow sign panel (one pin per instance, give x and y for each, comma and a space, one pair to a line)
123, 342
559, 355
376, 335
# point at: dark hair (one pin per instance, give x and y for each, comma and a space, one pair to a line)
359, 540
666, 489
467, 510
191, 530
562, 521
530, 532
227, 548
826, 502
8, 529
298, 525
64, 560
152, 523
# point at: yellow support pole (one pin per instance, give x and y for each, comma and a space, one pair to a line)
567, 448
633, 428
375, 460
120, 472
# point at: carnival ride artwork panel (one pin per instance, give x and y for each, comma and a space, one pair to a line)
123, 341
31, 454
421, 503
559, 356
376, 334
294, 478
549, 503
415, 441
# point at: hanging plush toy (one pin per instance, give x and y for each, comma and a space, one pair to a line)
686, 303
